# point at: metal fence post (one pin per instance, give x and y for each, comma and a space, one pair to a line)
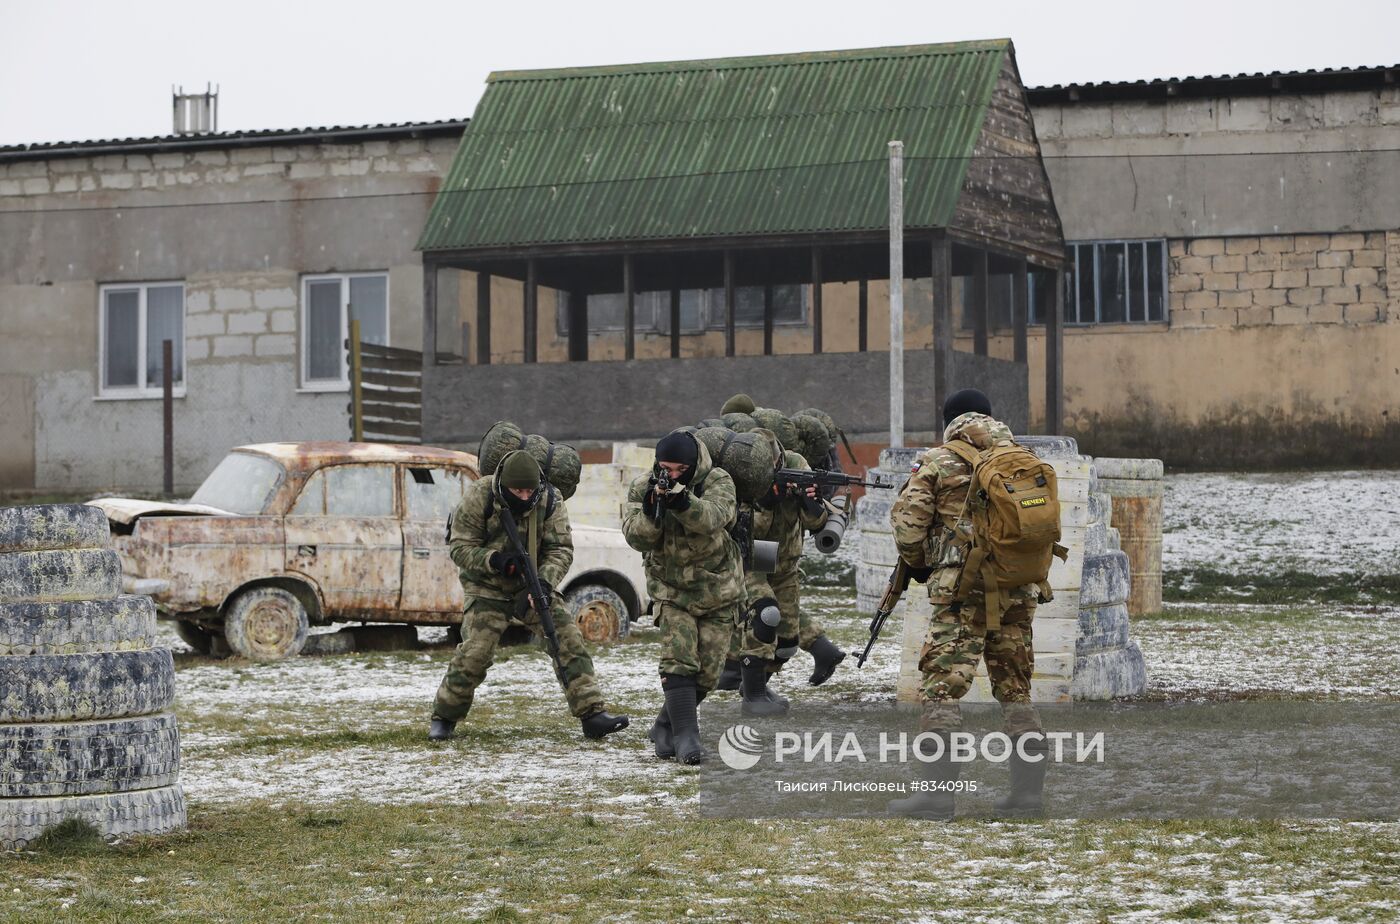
357, 414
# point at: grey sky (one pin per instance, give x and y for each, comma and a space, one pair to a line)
80, 70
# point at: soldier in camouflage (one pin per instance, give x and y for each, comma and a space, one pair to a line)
932, 530
783, 518
491, 575
694, 577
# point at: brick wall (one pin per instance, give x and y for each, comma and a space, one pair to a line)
1283, 279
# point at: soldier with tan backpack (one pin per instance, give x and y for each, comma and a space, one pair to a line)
979, 522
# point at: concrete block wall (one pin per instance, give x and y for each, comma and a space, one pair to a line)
1340, 278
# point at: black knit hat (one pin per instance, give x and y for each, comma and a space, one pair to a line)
967, 401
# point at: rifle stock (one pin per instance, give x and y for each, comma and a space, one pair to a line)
894, 590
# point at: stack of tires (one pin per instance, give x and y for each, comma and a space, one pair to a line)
878, 554
86, 730
1107, 664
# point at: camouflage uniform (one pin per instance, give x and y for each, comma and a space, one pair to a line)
785, 524
490, 599
694, 575
932, 528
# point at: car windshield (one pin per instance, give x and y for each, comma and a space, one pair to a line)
242, 483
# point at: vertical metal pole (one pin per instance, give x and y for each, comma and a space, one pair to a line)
483, 319
167, 389
1020, 310
531, 319
896, 293
728, 303
980, 303
816, 299
768, 320
675, 323
357, 406
629, 309
1054, 358
864, 307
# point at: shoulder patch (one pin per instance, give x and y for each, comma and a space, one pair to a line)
917, 465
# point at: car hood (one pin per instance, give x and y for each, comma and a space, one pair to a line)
127, 510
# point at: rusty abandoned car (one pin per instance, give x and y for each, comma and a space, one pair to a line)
285, 536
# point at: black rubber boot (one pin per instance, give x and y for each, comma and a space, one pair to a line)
440, 729
660, 735
825, 657
729, 678
1026, 799
681, 701
758, 699
602, 723
935, 802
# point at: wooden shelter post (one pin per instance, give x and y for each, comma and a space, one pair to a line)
483, 319
729, 303
1020, 310
863, 335
981, 298
816, 299
942, 286
768, 320
629, 308
1054, 358
675, 323
429, 311
576, 308
531, 312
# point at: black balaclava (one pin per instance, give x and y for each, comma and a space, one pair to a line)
679, 447
967, 401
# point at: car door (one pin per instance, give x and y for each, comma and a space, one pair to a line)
430, 494
343, 532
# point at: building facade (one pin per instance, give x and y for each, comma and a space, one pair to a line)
1232, 247
249, 252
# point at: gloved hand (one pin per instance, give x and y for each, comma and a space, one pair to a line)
920, 574
810, 505
505, 563
522, 601
770, 498
678, 501
649, 501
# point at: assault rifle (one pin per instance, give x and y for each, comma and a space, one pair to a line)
534, 587
899, 583
661, 483
788, 478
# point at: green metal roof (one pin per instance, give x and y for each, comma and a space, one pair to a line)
737, 146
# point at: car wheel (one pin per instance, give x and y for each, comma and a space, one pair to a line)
266, 624
599, 612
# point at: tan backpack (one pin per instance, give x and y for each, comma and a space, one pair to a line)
1016, 527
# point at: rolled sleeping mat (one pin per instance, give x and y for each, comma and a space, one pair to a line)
763, 558
828, 538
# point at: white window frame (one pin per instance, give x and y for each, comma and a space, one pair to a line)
146, 389
304, 340
648, 317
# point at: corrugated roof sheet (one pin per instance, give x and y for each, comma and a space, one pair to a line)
233, 139
736, 146
1327, 79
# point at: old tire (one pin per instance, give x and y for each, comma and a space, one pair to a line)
266, 624
82, 758
599, 612
82, 687
1105, 580
145, 811
126, 623
43, 527
59, 575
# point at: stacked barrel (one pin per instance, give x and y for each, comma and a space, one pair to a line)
1136, 488
1108, 664
86, 730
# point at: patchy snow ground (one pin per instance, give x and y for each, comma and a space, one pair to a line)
1316, 522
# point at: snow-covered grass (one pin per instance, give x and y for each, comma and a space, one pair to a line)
1278, 537
314, 794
